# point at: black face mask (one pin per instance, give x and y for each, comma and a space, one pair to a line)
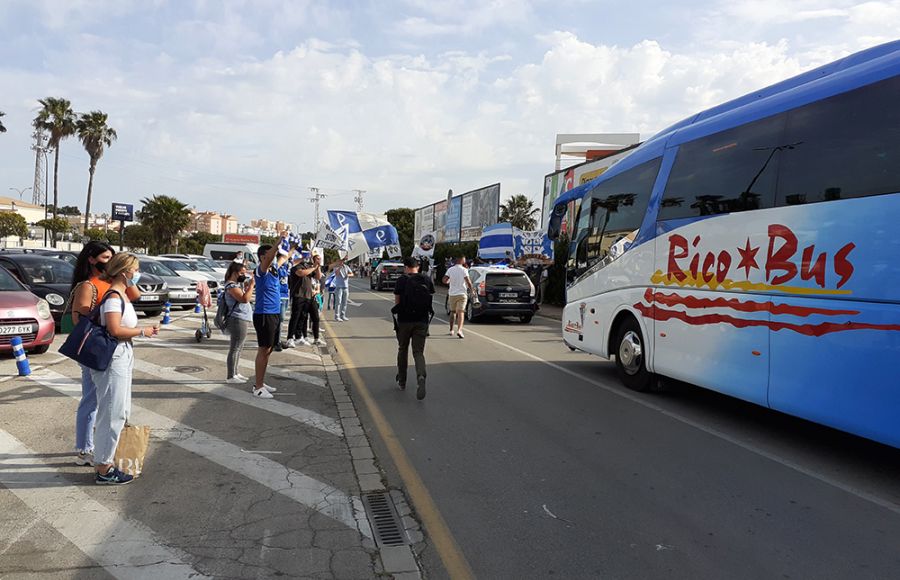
100, 266
241, 279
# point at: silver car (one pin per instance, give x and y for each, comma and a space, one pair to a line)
182, 291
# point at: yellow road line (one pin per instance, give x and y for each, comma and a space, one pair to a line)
446, 546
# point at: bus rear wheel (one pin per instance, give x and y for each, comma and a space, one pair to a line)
630, 358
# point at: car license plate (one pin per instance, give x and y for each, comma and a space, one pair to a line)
508, 300
152, 298
18, 329
181, 295
508, 295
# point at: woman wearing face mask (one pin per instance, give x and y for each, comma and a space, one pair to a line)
114, 384
238, 294
87, 291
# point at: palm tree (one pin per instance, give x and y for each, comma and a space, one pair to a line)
57, 118
2, 128
95, 135
519, 211
166, 217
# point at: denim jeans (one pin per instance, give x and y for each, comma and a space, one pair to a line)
113, 402
340, 302
86, 414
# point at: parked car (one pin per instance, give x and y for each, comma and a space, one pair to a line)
25, 315
385, 275
182, 291
70, 257
154, 293
49, 278
186, 269
500, 292
202, 262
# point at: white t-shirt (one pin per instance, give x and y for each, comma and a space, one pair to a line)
114, 304
458, 275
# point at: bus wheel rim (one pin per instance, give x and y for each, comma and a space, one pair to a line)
631, 352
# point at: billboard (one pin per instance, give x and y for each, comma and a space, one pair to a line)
440, 220
479, 208
452, 223
123, 212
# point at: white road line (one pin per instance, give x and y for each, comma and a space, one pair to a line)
864, 495
125, 548
314, 494
223, 358
224, 341
293, 412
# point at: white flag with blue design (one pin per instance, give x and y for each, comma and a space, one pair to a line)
363, 233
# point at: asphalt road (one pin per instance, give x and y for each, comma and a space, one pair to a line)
543, 466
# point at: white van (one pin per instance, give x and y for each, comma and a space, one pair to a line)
225, 251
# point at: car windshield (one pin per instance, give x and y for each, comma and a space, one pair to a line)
8, 282
157, 268
47, 271
211, 264
201, 266
512, 279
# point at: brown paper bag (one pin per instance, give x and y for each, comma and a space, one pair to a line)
132, 448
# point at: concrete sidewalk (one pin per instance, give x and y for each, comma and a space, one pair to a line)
233, 487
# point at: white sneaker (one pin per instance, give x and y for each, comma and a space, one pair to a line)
320, 342
242, 377
84, 459
337, 319
262, 394
344, 319
292, 344
236, 380
303, 341
460, 334
451, 332
269, 388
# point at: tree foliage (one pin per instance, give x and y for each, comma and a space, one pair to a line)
166, 217
138, 237
58, 119
57, 226
404, 219
69, 210
520, 212
194, 243
13, 224
96, 136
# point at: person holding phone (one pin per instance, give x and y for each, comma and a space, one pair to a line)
117, 314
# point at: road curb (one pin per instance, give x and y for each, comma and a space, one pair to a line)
399, 562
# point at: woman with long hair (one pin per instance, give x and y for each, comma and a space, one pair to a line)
117, 314
238, 294
87, 291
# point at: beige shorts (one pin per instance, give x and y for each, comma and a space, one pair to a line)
458, 303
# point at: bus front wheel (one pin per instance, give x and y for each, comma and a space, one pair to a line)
630, 357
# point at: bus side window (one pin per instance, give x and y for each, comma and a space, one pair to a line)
843, 147
729, 171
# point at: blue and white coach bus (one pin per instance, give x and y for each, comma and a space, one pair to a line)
754, 249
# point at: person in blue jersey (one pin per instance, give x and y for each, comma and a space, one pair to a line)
267, 311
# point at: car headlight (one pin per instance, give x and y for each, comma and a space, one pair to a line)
43, 309
55, 299
165, 287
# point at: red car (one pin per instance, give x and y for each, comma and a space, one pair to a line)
23, 314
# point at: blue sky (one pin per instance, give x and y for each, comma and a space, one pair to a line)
241, 106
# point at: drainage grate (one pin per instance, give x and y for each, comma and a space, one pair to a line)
188, 369
384, 519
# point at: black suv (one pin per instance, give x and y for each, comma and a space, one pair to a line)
500, 292
385, 275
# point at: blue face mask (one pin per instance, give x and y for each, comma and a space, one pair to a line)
133, 280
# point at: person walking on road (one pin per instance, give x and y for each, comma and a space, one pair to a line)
114, 384
342, 273
88, 289
267, 311
457, 296
412, 312
238, 294
305, 286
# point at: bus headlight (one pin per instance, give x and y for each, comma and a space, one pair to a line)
55, 299
43, 309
